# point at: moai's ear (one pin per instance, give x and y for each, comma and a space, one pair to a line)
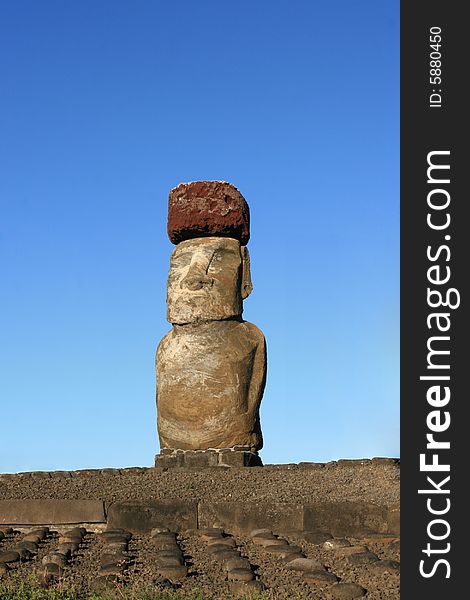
247, 286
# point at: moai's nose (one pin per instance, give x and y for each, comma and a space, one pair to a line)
196, 281
196, 278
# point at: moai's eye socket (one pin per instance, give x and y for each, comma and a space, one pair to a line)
181, 259
224, 259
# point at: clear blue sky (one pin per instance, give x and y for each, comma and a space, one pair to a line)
104, 107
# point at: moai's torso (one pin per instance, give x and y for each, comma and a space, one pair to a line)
209, 382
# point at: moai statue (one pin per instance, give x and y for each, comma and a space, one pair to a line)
211, 366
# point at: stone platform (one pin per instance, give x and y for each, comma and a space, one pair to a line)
344, 498
94, 529
238, 456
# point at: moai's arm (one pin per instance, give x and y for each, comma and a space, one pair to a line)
257, 382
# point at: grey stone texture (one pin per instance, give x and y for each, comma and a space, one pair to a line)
136, 516
197, 459
39, 512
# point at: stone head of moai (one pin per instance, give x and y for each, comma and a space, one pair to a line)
211, 366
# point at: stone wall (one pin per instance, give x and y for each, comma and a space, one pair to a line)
347, 517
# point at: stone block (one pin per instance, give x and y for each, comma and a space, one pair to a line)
244, 517
200, 459
236, 458
350, 519
393, 519
168, 461
144, 515
57, 512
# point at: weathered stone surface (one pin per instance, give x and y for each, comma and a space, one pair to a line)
305, 564
348, 550
393, 519
386, 565
335, 543
236, 562
273, 542
29, 546
173, 572
208, 279
289, 555
117, 546
6, 530
72, 539
52, 568
209, 537
9, 556
240, 459
36, 512
320, 577
209, 532
240, 575
260, 532
316, 537
156, 531
194, 460
115, 538
24, 553
243, 517
70, 547
199, 459
169, 461
264, 540
222, 541
173, 550
163, 536
169, 560
283, 551
142, 516
380, 539
362, 558
41, 531
210, 381
113, 559
218, 547
165, 545
74, 531
111, 569
32, 537
223, 555
354, 519
207, 208
55, 557
65, 551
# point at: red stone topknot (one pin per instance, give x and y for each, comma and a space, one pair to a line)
207, 208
